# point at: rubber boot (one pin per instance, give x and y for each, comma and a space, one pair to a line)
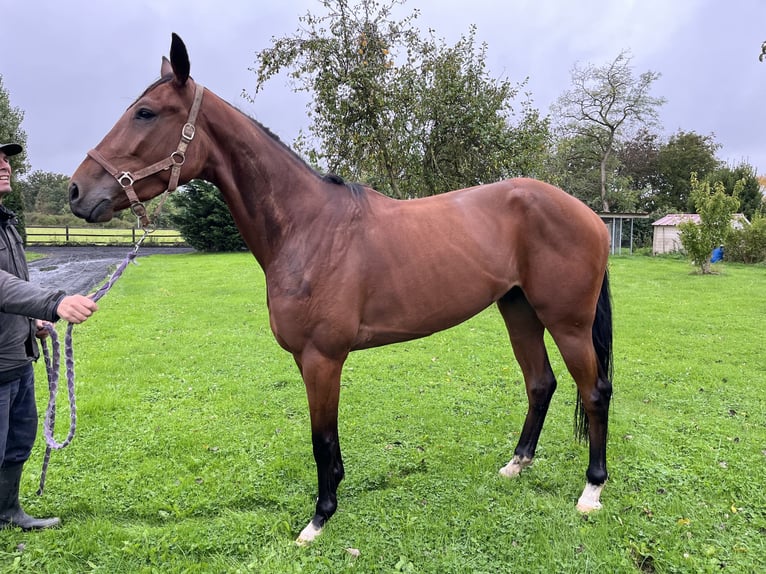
11, 513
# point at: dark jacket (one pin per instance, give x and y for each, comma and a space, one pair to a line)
20, 300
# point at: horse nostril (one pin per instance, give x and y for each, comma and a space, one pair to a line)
74, 192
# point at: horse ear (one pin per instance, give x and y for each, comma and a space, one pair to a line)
166, 69
179, 60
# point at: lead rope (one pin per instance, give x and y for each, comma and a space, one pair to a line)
53, 362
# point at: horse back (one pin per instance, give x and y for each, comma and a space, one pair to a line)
431, 263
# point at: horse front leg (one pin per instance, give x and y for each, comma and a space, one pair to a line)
321, 375
540, 390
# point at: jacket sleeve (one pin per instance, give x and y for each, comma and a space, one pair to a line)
21, 297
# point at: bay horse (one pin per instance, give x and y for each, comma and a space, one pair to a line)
348, 268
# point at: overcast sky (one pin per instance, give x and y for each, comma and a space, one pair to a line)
73, 66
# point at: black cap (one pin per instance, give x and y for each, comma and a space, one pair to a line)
10, 149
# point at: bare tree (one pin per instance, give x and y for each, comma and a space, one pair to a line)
603, 104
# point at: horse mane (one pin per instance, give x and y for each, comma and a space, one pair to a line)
162, 80
331, 178
354, 187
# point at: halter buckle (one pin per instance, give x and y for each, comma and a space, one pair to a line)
138, 209
188, 131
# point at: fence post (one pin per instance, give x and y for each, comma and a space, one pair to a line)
67, 234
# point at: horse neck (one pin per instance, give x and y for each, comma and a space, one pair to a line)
270, 191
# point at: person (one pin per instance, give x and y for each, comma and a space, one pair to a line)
717, 254
25, 311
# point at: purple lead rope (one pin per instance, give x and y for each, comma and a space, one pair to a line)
52, 365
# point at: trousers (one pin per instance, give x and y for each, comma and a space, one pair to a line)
18, 417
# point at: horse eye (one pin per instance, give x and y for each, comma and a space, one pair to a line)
144, 114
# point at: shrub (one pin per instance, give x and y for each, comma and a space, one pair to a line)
748, 245
204, 219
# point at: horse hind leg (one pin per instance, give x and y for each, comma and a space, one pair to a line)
594, 390
527, 339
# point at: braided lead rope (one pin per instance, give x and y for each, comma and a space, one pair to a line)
52, 364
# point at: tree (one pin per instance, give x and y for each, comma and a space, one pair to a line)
574, 168
464, 117
10, 131
45, 192
203, 218
715, 208
749, 195
638, 161
410, 116
603, 104
684, 153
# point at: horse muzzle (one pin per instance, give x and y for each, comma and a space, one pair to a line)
95, 210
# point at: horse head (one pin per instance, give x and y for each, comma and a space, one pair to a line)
136, 161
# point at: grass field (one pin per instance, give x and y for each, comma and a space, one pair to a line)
94, 236
193, 451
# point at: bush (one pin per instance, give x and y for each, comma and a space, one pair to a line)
748, 245
204, 219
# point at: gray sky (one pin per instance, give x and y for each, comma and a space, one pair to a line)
73, 66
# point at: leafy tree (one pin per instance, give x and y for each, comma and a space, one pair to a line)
715, 208
203, 218
638, 161
464, 117
45, 192
10, 131
574, 166
684, 153
602, 105
749, 195
410, 116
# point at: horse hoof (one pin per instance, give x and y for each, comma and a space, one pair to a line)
590, 498
515, 467
308, 535
586, 508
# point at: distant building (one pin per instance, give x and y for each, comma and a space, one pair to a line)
620, 227
667, 235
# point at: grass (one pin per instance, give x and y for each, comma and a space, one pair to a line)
67, 235
193, 453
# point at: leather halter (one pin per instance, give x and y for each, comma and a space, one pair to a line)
173, 162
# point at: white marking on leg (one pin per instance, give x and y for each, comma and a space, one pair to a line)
516, 465
308, 534
589, 499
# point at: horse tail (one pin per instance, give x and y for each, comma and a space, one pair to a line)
602, 343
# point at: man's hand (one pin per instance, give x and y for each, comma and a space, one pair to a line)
42, 329
76, 308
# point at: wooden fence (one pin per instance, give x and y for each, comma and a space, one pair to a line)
73, 236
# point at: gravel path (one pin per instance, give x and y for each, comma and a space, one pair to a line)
81, 269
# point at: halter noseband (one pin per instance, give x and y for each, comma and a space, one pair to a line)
173, 162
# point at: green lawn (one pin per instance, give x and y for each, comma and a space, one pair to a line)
193, 451
66, 235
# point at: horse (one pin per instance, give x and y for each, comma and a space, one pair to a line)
348, 268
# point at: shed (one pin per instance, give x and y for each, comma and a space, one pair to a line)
620, 227
667, 235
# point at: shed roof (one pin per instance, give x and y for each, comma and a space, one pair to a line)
676, 218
